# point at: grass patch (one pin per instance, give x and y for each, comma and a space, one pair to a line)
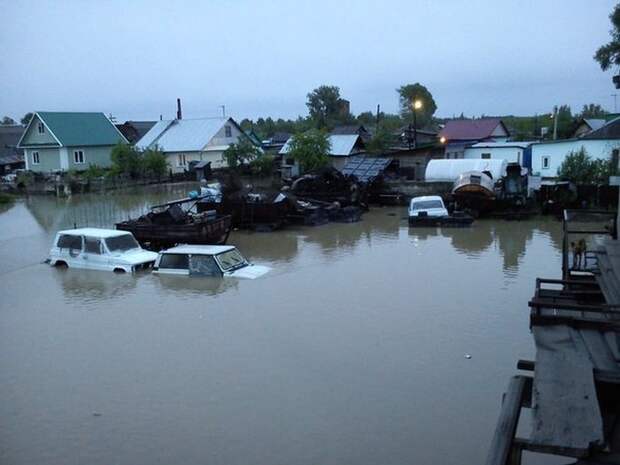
6, 198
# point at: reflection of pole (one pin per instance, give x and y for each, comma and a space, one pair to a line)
615, 97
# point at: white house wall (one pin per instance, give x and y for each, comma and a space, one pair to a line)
558, 151
220, 138
510, 154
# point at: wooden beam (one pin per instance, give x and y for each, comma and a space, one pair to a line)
501, 445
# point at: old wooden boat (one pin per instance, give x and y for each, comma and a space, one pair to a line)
474, 191
169, 224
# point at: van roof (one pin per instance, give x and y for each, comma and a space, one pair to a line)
94, 232
199, 249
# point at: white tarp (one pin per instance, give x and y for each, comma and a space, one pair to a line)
449, 170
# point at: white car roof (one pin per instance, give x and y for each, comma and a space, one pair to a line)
426, 197
199, 249
94, 232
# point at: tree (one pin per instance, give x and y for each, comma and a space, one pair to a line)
26, 119
579, 168
381, 141
609, 54
324, 105
310, 149
566, 122
410, 93
125, 160
7, 121
154, 162
367, 118
593, 110
240, 153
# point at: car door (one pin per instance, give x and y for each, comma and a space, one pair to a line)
94, 254
174, 263
204, 265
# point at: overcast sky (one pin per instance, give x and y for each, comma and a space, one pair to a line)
260, 58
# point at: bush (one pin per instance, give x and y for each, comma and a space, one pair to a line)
5, 198
125, 160
94, 172
310, 149
244, 151
262, 166
154, 162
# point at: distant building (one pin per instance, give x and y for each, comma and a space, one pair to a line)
11, 157
187, 140
60, 141
600, 144
511, 152
458, 134
133, 131
343, 146
587, 125
352, 129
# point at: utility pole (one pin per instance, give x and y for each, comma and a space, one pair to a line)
223, 107
555, 122
615, 98
378, 112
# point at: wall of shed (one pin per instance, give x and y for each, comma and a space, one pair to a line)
510, 154
558, 151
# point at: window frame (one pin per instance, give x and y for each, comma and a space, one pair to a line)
545, 162
79, 160
102, 249
485, 156
164, 256
41, 128
181, 160
227, 131
36, 158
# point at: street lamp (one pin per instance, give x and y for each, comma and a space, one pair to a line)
416, 105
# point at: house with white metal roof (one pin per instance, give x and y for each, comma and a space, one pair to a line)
342, 146
187, 140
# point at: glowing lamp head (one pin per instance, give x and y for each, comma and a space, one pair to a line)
442, 139
417, 104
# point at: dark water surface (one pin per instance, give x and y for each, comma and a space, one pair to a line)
351, 351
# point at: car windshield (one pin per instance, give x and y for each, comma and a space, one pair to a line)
121, 243
426, 204
231, 260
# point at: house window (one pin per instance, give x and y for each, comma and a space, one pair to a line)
485, 156
181, 160
545, 163
41, 128
78, 157
228, 131
35, 158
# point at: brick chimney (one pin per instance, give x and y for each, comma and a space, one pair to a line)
179, 114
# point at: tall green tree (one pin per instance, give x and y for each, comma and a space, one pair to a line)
381, 141
240, 153
566, 122
411, 93
310, 149
609, 54
324, 105
125, 160
7, 121
593, 110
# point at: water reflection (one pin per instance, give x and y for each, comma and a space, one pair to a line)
88, 286
186, 286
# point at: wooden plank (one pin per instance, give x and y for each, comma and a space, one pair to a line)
600, 352
507, 423
566, 413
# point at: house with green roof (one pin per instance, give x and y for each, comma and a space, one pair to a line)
61, 141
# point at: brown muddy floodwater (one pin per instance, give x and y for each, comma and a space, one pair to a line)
351, 351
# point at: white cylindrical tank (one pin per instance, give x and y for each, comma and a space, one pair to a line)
449, 170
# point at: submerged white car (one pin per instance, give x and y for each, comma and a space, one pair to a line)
429, 205
100, 249
207, 260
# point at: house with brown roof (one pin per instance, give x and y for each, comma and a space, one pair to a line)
459, 134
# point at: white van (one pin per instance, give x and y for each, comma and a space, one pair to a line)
207, 260
99, 249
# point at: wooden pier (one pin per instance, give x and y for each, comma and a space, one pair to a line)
574, 393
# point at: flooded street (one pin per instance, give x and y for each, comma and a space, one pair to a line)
351, 350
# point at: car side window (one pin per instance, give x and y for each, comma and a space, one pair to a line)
204, 265
174, 261
93, 245
68, 241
